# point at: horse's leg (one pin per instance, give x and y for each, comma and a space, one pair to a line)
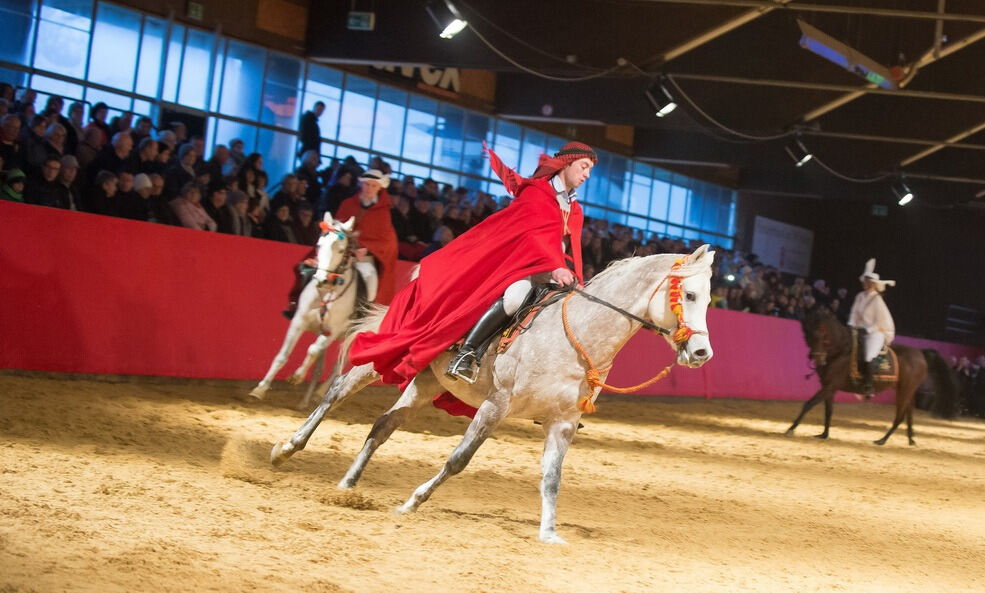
487, 418
317, 348
315, 380
557, 438
909, 424
418, 394
294, 332
829, 404
808, 405
900, 414
342, 387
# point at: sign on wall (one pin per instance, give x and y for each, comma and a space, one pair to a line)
445, 79
783, 246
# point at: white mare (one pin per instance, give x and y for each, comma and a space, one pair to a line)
325, 306
541, 377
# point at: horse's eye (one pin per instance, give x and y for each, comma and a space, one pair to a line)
691, 297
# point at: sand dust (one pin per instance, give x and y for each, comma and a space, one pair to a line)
110, 485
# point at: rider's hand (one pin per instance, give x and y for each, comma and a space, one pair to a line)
563, 276
361, 254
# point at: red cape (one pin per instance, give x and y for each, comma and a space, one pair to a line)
459, 282
376, 234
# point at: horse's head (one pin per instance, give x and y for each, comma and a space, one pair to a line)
688, 295
333, 248
822, 331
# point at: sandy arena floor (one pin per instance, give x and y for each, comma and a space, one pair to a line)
109, 485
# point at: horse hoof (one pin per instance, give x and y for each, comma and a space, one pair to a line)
295, 379
346, 484
281, 453
405, 509
821, 436
553, 538
257, 394
913, 443
880, 442
789, 433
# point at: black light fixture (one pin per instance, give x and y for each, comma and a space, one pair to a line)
660, 98
904, 195
450, 22
798, 152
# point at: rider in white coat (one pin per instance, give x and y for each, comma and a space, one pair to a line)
869, 312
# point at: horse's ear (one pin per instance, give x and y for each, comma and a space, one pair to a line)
347, 225
701, 253
328, 218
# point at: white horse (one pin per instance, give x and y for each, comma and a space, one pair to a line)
543, 376
325, 306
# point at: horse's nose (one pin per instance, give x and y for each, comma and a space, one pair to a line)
701, 354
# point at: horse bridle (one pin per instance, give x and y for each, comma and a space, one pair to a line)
337, 275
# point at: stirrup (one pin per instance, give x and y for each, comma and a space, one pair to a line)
464, 366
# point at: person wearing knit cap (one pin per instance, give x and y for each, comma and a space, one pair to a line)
482, 277
870, 314
12, 188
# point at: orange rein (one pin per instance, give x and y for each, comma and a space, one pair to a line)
593, 375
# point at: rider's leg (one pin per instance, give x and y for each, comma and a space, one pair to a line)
874, 342
367, 269
302, 275
465, 364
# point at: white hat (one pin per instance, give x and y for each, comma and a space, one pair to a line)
377, 176
870, 274
142, 181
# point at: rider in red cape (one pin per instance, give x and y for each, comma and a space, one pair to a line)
371, 208
462, 285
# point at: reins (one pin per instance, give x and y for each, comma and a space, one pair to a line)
680, 336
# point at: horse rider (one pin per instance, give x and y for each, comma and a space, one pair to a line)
484, 276
870, 314
376, 258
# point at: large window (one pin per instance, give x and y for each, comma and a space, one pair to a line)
98, 51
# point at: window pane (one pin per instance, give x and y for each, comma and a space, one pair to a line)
678, 202
149, 70
639, 194
62, 48
226, 131
195, 69
444, 177
277, 149
356, 119
390, 113
533, 147
13, 77
418, 172
448, 136
174, 63
116, 103
242, 80
419, 130
554, 144
141, 108
220, 59
52, 86
280, 93
114, 47
659, 199
507, 144
324, 84
362, 158
16, 31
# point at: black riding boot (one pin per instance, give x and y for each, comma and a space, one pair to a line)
868, 387
465, 365
302, 275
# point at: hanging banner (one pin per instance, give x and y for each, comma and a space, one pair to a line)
784, 246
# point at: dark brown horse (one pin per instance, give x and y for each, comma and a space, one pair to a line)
831, 350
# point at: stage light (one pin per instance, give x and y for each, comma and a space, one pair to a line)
660, 98
798, 152
447, 17
903, 192
730, 277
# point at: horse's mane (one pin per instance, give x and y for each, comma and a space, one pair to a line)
616, 267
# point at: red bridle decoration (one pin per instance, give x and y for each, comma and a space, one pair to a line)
683, 332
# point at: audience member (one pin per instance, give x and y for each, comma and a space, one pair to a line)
188, 207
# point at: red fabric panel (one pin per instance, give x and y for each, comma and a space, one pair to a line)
93, 294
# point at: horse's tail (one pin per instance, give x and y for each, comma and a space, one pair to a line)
947, 401
368, 320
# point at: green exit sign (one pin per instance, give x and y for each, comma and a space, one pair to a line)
195, 11
361, 21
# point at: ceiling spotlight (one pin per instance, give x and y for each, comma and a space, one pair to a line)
660, 98
903, 192
450, 22
798, 152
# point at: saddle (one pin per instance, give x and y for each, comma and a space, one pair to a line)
542, 296
886, 364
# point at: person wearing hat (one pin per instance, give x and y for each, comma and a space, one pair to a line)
69, 189
12, 188
870, 313
371, 209
473, 285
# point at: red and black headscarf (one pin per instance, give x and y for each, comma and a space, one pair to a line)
547, 166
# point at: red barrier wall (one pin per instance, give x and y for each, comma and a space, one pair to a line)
92, 294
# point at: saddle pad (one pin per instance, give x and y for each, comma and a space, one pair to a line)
886, 363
